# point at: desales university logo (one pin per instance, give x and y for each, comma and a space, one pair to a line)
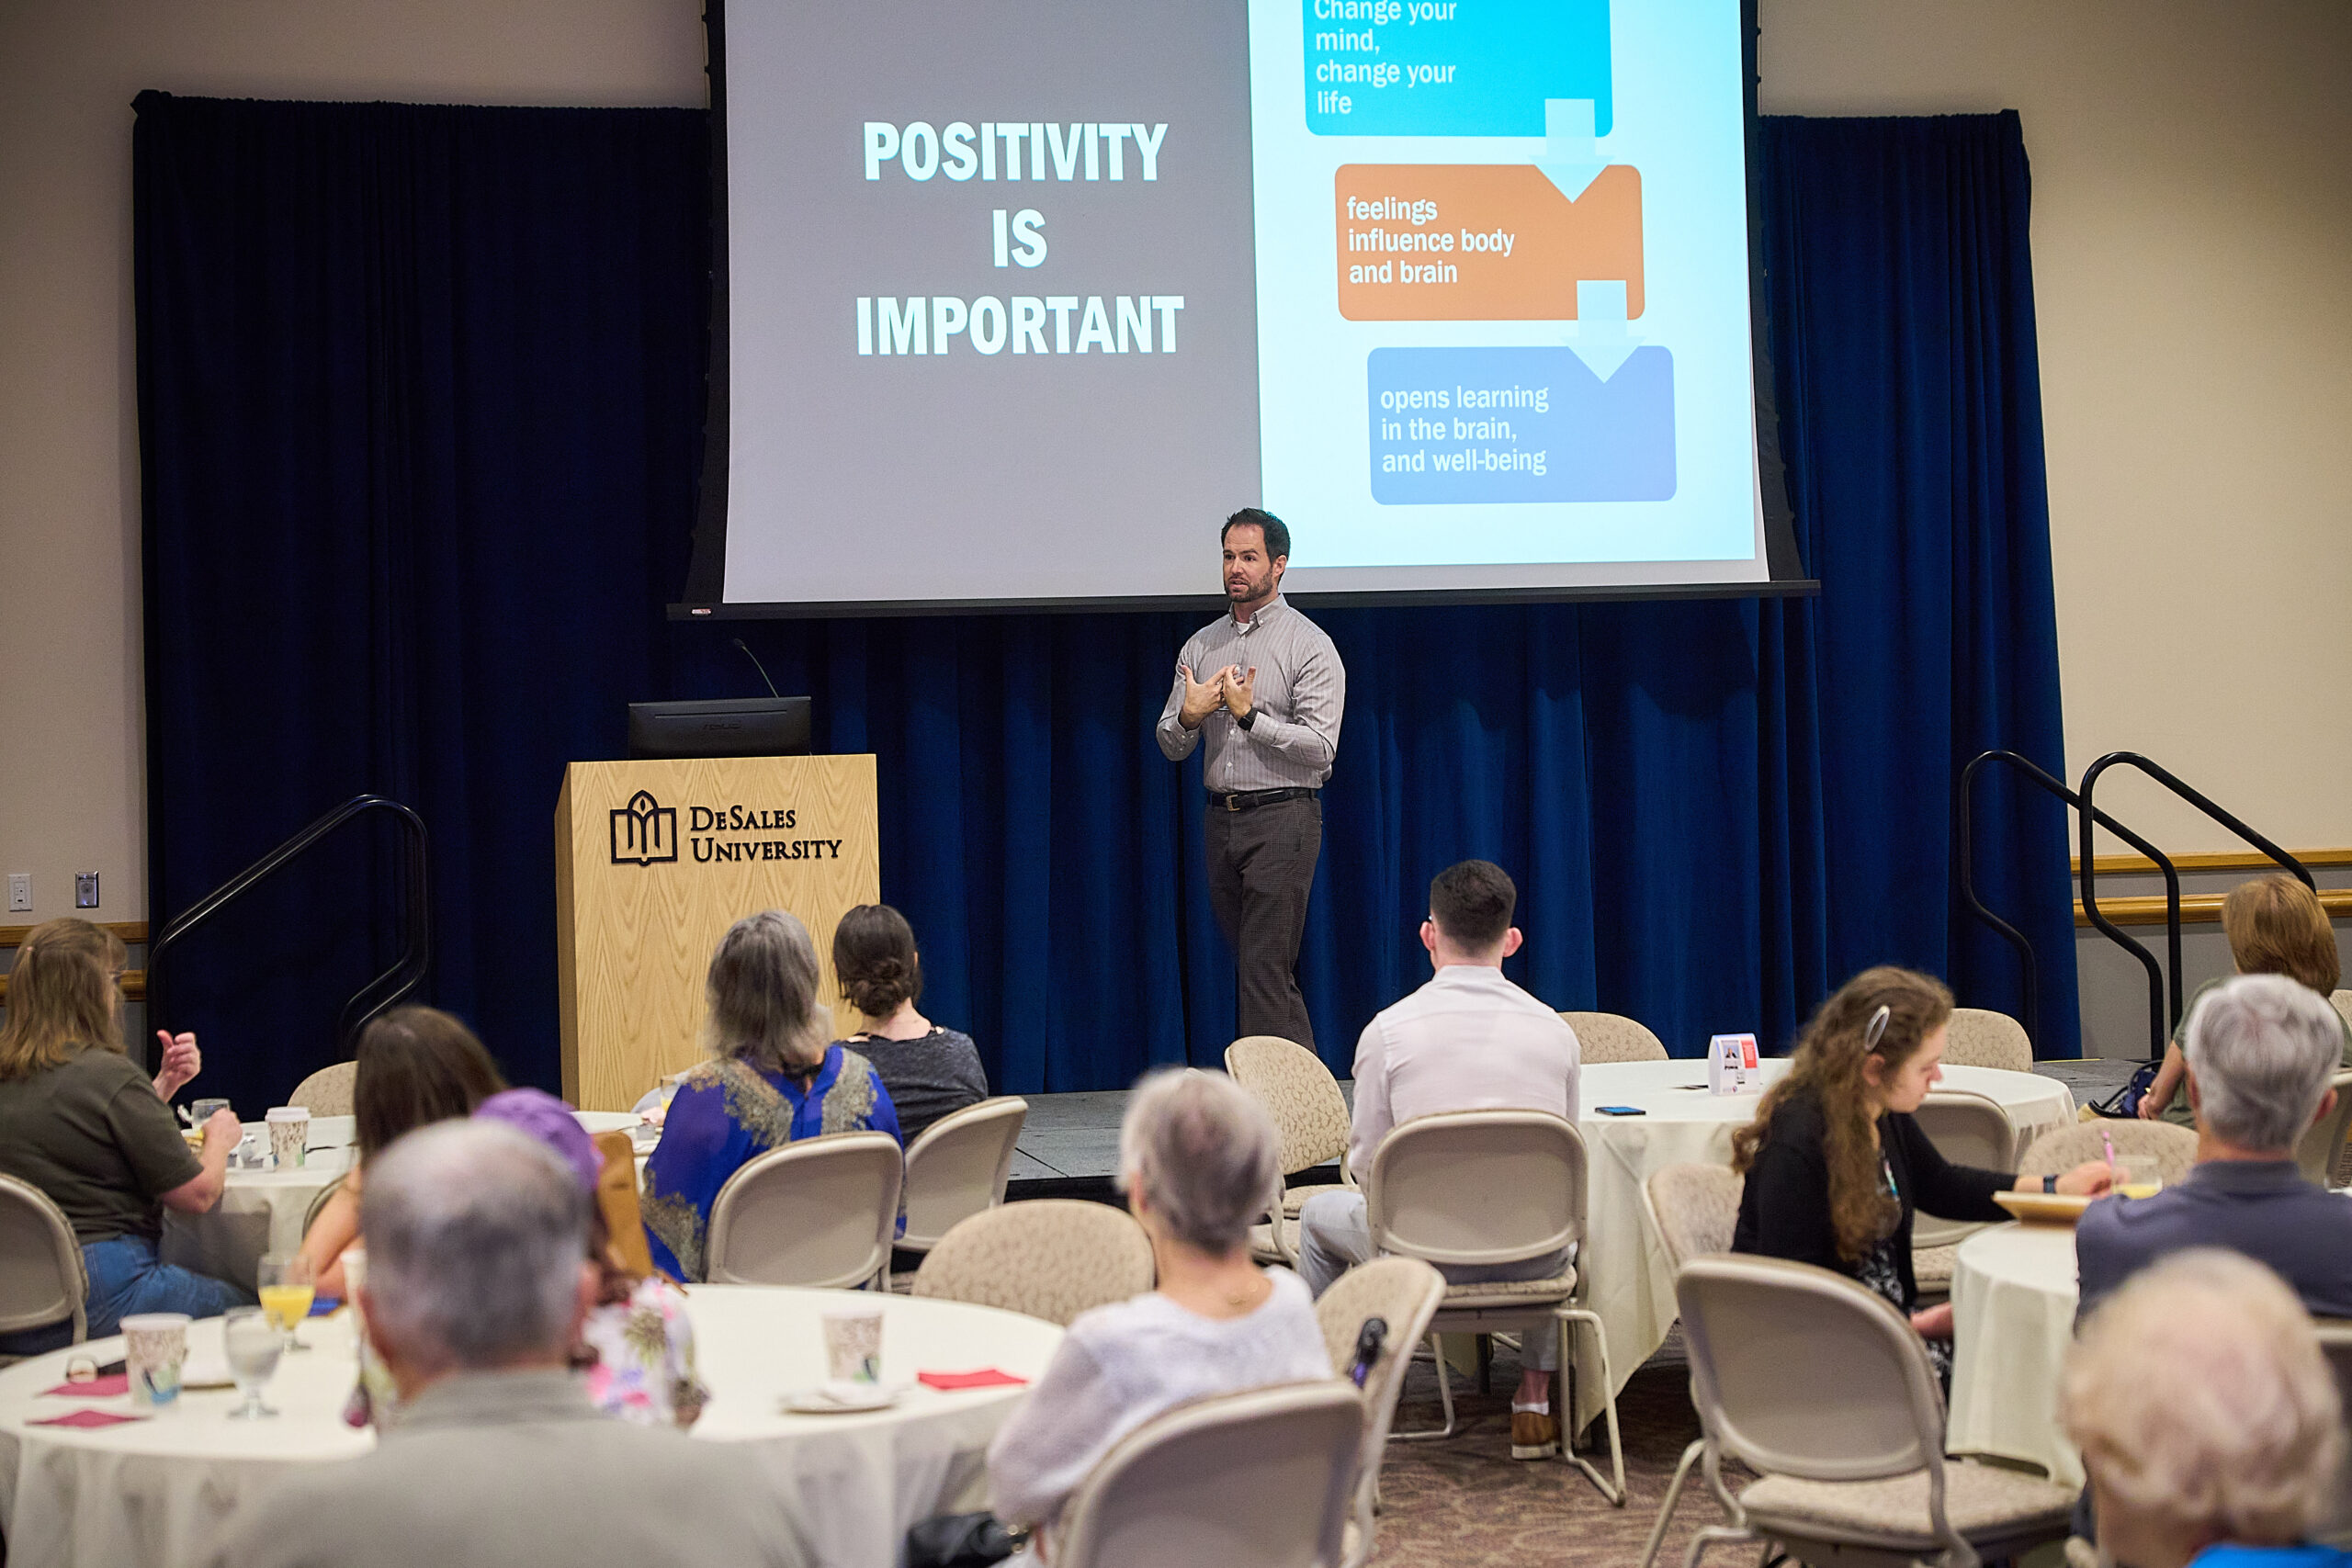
645, 832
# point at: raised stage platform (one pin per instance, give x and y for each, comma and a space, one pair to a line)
1069, 1146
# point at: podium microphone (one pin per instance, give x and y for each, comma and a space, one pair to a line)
757, 666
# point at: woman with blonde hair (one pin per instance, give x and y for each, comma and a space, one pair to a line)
2207, 1417
773, 1079
1836, 1166
2276, 926
79, 1121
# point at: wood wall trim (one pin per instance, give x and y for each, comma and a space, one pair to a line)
134, 985
129, 930
2227, 860
2195, 909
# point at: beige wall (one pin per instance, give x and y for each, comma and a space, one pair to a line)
2192, 251
2192, 225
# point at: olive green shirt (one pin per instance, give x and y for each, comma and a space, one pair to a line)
2177, 1113
91, 1134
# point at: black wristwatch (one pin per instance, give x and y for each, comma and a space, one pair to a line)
2050, 1184
1247, 719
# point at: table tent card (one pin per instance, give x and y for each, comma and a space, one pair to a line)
1733, 1066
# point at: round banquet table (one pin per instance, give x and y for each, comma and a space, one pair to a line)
146, 1494
260, 1211
2013, 1293
1629, 1280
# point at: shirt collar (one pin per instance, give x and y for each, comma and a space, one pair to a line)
1272, 606
2247, 1175
495, 1399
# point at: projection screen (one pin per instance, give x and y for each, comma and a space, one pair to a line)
1016, 299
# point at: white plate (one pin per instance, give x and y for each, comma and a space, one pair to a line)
596, 1122
842, 1399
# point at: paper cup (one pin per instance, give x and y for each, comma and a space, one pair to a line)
154, 1349
853, 1345
290, 1135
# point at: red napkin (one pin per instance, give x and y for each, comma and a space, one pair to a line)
987, 1377
101, 1388
85, 1418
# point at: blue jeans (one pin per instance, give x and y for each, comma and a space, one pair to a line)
126, 1278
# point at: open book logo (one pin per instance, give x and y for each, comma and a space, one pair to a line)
644, 831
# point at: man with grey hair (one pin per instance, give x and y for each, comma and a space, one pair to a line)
2260, 1052
477, 1279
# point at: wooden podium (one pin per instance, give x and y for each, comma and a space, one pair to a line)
654, 860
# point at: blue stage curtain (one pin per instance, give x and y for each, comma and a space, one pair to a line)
421, 395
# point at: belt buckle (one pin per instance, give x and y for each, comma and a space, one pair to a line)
1233, 800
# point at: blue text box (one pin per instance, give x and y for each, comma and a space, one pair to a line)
1452, 67
1483, 426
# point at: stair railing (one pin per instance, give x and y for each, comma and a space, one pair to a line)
379, 995
2161, 1022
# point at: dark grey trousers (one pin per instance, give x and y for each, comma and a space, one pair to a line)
1261, 865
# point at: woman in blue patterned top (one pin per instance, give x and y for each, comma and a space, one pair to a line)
772, 1080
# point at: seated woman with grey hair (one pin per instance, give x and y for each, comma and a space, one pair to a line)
2229, 1455
773, 1079
1197, 1158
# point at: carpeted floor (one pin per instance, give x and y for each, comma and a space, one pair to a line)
1463, 1502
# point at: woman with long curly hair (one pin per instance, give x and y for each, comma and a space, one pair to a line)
1836, 1166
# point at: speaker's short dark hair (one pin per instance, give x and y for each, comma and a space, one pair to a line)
1277, 531
1472, 903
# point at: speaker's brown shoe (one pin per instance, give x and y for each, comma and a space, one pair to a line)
1534, 1434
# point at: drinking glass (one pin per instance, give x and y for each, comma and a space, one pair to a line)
286, 1291
254, 1344
2136, 1176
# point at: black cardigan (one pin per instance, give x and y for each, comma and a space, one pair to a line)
1784, 1208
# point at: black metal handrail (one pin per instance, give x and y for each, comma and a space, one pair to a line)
2051, 784
377, 994
2160, 1023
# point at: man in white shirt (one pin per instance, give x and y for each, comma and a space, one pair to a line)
1469, 1040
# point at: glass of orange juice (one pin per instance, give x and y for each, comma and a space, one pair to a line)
286, 1292
2136, 1176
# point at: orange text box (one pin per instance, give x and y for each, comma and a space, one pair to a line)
1481, 243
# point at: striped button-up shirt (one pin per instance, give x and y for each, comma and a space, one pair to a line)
1300, 689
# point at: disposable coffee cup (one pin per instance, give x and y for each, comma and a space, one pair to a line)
290, 1135
853, 1345
154, 1349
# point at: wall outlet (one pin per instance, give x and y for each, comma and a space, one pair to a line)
85, 889
20, 892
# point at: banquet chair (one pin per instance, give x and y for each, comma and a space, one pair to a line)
820, 1212
328, 1091
1403, 1293
42, 1278
617, 1196
1311, 1117
1693, 1209
2059, 1151
2322, 1147
1852, 1467
2342, 1001
1261, 1477
1969, 1129
2334, 1525
1613, 1037
319, 1201
1488, 1188
1049, 1257
958, 1167
1979, 1037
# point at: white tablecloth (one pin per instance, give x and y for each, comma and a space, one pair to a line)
1630, 1281
2013, 1291
259, 1212
142, 1495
